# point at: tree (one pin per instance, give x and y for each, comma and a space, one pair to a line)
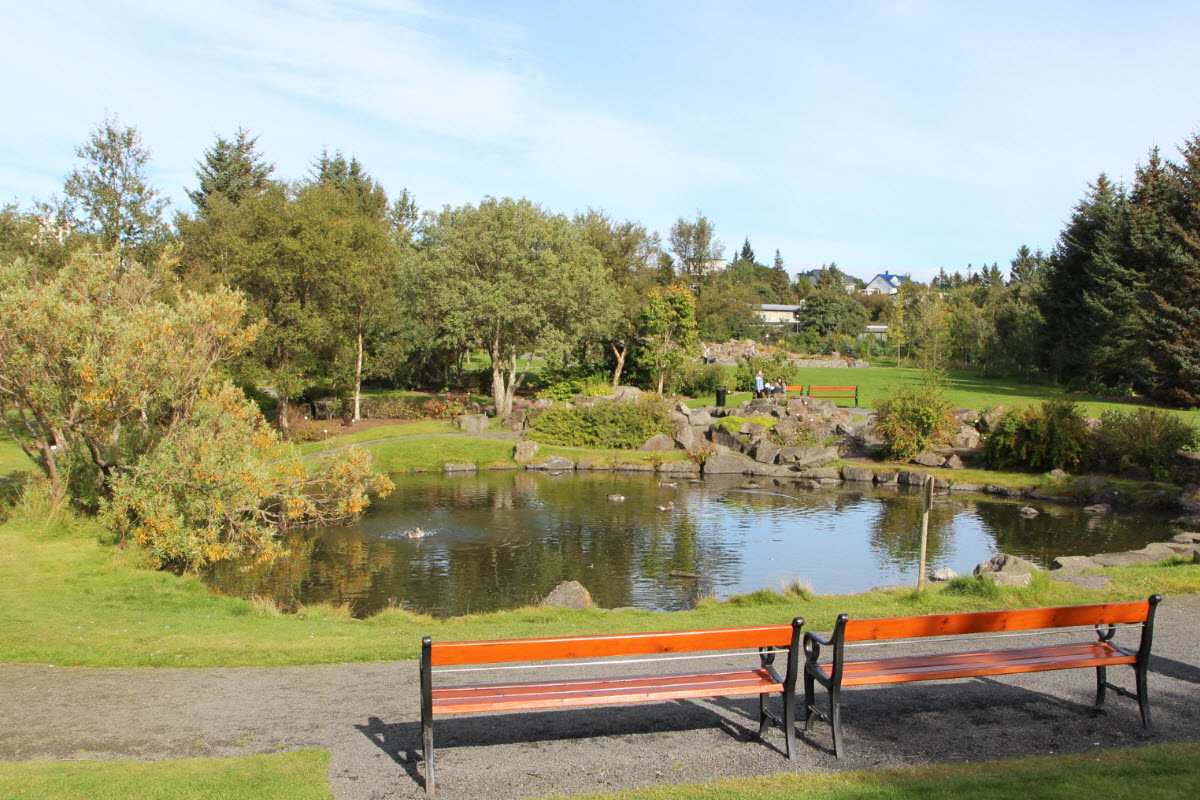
747, 253
233, 169
668, 327
512, 277
628, 252
109, 197
1026, 267
833, 311
695, 246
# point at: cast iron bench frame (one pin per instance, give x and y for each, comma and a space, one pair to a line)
825, 392
1100, 654
763, 680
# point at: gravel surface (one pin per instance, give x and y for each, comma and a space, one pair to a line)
367, 715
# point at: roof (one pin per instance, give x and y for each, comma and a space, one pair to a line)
776, 307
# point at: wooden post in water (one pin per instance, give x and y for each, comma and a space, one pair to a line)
927, 496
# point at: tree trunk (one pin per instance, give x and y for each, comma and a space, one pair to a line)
284, 429
358, 367
661, 376
499, 392
620, 354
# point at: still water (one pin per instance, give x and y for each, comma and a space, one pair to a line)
505, 539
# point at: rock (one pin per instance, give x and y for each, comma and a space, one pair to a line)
552, 463
525, 451
1059, 475
1099, 508
820, 473
324, 407
967, 438
1186, 538
812, 456
701, 417
786, 428
989, 419
728, 463
953, 462
683, 469
963, 486
911, 478
685, 436
633, 466
683, 408
1074, 563
764, 451
753, 429
1027, 511
1151, 502
887, 477
726, 438
1006, 570
677, 418
1002, 491
853, 472
658, 442
1156, 551
1187, 521
943, 574
569, 594
928, 459
466, 466
1096, 583
626, 393
517, 420
593, 465
1109, 497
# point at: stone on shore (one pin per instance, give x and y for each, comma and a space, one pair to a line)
569, 594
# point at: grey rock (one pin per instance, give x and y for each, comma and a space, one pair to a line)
593, 465
786, 428
466, 466
1002, 491
683, 469
1096, 583
963, 486
1151, 502
701, 417
1006, 570
1074, 563
657, 443
943, 574
812, 456
967, 438
626, 393
1027, 511
633, 466
764, 451
569, 594
989, 419
820, 473
678, 418
1156, 551
517, 420
1186, 521
953, 462
683, 408
525, 451
552, 463
729, 463
887, 477
685, 436
911, 478
965, 416
753, 429
721, 436
1059, 475
928, 459
853, 472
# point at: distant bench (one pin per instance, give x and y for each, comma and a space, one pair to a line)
1099, 653
763, 679
834, 391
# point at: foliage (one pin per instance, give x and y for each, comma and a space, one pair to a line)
912, 418
734, 423
232, 169
668, 329
772, 369
616, 426
563, 384
1145, 437
829, 311
223, 486
101, 360
1051, 436
695, 246
694, 379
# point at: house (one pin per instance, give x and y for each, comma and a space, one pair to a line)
814, 275
883, 283
878, 330
777, 314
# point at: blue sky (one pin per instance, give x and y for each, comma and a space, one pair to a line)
900, 136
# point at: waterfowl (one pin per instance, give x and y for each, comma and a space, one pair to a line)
415, 533
668, 507
616, 498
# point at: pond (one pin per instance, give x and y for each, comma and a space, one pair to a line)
504, 539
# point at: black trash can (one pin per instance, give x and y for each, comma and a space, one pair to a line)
721, 396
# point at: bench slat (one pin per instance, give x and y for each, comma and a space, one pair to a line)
833, 388
569, 647
966, 665
656, 688
995, 621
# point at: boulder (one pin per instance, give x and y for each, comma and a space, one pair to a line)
728, 463
853, 472
764, 451
701, 417
965, 416
516, 420
685, 436
683, 408
753, 429
569, 594
677, 418
1074, 563
725, 438
911, 478
963, 486
1002, 491
633, 466
1154, 501
682, 469
887, 477
466, 466
967, 438
786, 428
812, 456
820, 473
525, 451
989, 419
1059, 475
1027, 511
1155, 551
953, 462
928, 459
551, 463
1006, 570
626, 393
943, 574
657, 443
593, 465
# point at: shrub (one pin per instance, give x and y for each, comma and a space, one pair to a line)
912, 418
562, 385
734, 423
1145, 437
772, 368
615, 426
695, 380
1053, 436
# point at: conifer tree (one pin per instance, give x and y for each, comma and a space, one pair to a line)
233, 169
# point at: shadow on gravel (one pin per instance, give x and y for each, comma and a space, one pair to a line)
1174, 669
401, 741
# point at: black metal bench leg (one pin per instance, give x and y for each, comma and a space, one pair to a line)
764, 714
427, 747
835, 719
789, 719
809, 699
1101, 684
1143, 696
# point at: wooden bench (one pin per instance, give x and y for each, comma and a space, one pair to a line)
799, 390
1099, 652
762, 678
834, 391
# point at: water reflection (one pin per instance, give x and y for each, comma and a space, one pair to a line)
501, 540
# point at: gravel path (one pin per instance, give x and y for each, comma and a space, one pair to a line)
367, 716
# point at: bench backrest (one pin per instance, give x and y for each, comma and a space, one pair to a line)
570, 647
1026, 619
812, 389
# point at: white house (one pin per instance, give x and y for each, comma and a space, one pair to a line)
883, 283
777, 314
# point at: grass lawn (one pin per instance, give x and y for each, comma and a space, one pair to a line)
12, 459
1164, 772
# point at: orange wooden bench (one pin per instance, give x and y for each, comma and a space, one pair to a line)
1096, 651
759, 678
835, 391
799, 390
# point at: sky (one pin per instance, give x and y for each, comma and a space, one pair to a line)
900, 136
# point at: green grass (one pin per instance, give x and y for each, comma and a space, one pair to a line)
69, 600
1163, 772
13, 460
302, 775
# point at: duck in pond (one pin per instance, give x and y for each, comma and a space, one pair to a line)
670, 506
415, 533
616, 498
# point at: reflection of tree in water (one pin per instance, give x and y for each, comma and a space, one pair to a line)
895, 533
1060, 530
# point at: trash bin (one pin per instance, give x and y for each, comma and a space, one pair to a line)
721, 396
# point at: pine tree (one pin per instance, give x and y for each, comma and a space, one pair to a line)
234, 170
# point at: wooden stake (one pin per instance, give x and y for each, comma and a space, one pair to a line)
927, 494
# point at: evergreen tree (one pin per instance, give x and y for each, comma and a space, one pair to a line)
233, 170
747, 253
1026, 266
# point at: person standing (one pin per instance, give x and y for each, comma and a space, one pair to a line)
759, 385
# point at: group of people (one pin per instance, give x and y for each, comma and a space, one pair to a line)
764, 388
